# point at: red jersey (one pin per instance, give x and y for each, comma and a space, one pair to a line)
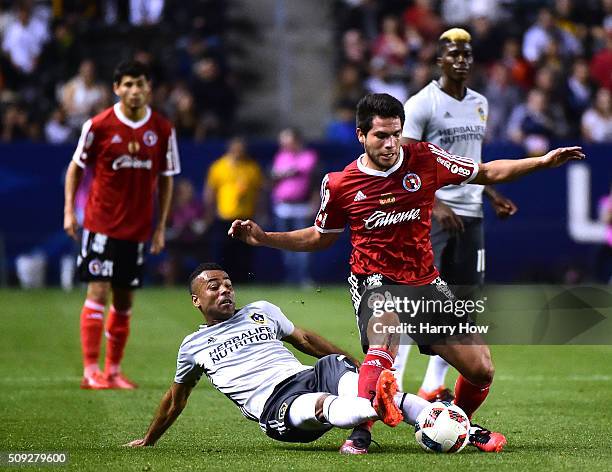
389, 212
126, 158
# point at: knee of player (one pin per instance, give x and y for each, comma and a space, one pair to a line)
98, 292
485, 371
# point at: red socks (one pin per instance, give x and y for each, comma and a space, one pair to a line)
92, 323
469, 396
375, 361
117, 331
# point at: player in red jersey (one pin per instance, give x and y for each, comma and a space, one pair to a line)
386, 197
133, 155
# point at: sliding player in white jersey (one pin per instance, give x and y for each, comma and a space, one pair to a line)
242, 354
454, 117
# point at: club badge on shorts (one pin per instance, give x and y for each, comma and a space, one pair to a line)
411, 182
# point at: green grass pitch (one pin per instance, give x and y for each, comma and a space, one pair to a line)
552, 402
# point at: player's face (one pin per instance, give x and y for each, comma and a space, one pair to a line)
133, 92
456, 61
382, 143
214, 295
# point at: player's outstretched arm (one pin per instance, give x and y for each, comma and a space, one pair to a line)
171, 406
314, 345
74, 175
303, 240
506, 170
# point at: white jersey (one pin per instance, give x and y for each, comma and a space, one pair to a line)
457, 126
243, 357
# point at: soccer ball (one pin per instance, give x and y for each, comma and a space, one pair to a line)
442, 427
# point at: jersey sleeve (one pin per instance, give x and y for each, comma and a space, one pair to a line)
284, 326
415, 122
172, 163
330, 218
82, 157
187, 371
451, 169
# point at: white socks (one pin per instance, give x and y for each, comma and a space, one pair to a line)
411, 405
435, 374
347, 411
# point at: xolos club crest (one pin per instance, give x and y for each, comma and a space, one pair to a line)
411, 182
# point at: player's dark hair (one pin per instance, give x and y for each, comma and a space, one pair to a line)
378, 104
201, 268
131, 69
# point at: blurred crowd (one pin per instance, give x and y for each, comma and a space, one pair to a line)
545, 66
236, 186
57, 57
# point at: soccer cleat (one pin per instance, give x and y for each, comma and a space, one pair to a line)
485, 440
384, 404
358, 442
95, 382
440, 394
120, 382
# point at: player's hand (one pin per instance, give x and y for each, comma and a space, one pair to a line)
248, 232
71, 225
504, 207
447, 218
138, 443
558, 157
158, 241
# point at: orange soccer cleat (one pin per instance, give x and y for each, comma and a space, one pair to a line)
441, 394
384, 404
96, 381
119, 382
485, 440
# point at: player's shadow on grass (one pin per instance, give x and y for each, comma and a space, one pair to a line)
332, 448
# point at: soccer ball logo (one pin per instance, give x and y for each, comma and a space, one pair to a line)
442, 427
411, 182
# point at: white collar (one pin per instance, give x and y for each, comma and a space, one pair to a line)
126, 121
381, 173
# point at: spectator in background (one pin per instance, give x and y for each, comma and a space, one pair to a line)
233, 190
601, 63
503, 97
146, 12
542, 33
423, 17
549, 82
16, 126
578, 92
185, 115
23, 41
83, 96
57, 129
214, 98
382, 81
185, 240
341, 127
390, 44
293, 175
520, 69
487, 40
349, 85
420, 76
354, 49
597, 120
530, 123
